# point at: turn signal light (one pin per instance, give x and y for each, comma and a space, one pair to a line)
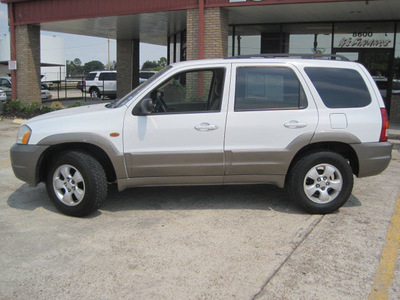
26, 137
385, 125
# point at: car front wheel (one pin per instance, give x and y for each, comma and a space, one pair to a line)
321, 182
76, 183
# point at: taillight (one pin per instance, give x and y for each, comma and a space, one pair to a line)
385, 126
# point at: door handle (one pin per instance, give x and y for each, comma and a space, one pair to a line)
206, 127
293, 124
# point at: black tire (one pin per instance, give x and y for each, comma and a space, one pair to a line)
76, 183
321, 182
94, 93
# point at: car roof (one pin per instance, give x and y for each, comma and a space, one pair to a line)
278, 60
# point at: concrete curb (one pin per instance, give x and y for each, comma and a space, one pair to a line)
19, 121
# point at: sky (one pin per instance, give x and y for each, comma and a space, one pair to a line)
88, 48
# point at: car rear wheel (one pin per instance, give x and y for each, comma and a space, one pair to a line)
321, 182
94, 93
76, 183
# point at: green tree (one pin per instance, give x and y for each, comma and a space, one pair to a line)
154, 65
162, 62
93, 65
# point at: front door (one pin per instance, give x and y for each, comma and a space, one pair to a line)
181, 140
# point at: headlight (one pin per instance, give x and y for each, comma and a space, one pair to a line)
3, 94
24, 133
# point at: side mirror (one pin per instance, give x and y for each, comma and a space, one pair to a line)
144, 108
147, 106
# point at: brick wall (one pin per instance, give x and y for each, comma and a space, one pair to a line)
127, 66
215, 33
27, 40
192, 25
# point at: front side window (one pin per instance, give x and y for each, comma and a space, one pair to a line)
338, 87
188, 92
267, 88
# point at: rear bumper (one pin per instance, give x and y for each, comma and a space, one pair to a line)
373, 158
25, 162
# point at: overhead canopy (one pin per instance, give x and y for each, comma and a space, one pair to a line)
153, 21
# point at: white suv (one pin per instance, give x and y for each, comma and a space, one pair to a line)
98, 83
306, 125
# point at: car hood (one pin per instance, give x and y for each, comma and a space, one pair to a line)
76, 112
96, 119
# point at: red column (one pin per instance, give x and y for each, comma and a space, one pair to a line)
201, 29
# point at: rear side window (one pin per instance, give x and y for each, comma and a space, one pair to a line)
267, 88
339, 88
91, 76
108, 76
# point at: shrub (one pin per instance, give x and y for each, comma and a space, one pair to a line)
32, 108
45, 109
75, 104
56, 105
12, 106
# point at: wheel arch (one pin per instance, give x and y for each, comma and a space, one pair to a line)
343, 149
93, 87
98, 153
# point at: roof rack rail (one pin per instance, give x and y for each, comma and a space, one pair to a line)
292, 55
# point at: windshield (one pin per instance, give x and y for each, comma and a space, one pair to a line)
124, 100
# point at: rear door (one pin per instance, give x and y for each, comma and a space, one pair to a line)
108, 82
271, 115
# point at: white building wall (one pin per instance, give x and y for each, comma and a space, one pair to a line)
4, 54
51, 52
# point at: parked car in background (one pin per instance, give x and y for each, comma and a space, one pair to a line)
80, 85
46, 95
45, 86
99, 83
382, 83
5, 85
144, 75
3, 96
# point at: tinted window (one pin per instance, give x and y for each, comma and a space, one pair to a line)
339, 88
108, 76
146, 75
90, 76
4, 82
264, 88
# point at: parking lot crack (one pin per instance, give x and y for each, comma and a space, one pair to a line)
300, 242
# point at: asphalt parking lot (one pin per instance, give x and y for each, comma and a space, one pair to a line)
232, 242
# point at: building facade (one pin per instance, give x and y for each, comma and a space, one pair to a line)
366, 31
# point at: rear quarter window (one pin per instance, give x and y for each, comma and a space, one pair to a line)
339, 87
108, 76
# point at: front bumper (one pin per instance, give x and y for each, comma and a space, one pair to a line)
25, 162
373, 158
